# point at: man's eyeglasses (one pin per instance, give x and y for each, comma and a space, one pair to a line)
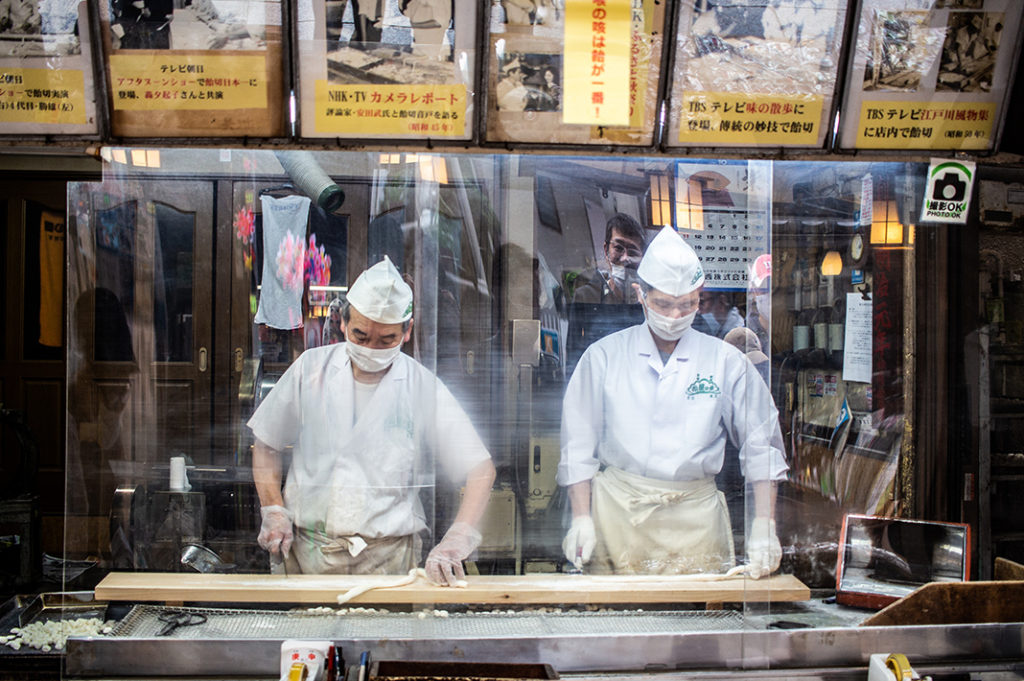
619, 247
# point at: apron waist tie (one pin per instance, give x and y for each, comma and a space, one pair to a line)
353, 544
643, 506
647, 495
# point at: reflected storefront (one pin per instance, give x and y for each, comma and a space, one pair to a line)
197, 278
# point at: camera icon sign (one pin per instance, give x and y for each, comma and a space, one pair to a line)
949, 187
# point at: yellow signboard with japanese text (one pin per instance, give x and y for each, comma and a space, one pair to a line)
641, 52
925, 125
51, 96
156, 82
725, 118
372, 110
597, 62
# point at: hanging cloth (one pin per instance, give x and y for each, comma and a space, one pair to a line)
284, 261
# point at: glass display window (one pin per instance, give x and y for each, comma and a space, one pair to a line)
562, 387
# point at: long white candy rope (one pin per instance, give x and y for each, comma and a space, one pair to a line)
417, 573
414, 574
733, 572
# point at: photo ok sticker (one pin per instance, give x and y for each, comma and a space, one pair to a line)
948, 192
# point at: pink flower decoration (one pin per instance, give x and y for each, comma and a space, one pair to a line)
318, 264
245, 224
291, 258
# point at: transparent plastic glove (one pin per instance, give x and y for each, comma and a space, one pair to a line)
580, 540
276, 530
444, 562
764, 553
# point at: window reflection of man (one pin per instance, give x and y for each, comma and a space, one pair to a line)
718, 316
624, 243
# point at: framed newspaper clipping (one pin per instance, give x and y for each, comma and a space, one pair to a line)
46, 76
391, 69
930, 74
755, 74
195, 68
531, 81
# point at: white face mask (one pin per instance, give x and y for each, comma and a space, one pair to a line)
619, 272
370, 359
668, 328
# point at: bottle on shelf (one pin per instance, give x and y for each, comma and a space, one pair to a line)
810, 308
837, 329
801, 328
823, 316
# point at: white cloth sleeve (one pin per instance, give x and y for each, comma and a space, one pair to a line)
582, 421
277, 422
753, 424
458, 446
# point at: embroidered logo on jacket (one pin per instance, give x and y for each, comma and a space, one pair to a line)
703, 386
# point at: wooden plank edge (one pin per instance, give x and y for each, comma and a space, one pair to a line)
143, 587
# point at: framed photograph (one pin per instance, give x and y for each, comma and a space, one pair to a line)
185, 68
46, 61
401, 69
755, 74
929, 75
525, 78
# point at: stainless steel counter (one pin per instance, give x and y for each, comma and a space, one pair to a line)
585, 646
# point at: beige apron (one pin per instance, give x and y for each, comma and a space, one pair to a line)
647, 526
313, 553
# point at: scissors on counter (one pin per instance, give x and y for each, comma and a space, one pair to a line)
173, 619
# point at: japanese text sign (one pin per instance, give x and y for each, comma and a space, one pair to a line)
597, 62
368, 110
188, 81
924, 125
42, 96
725, 118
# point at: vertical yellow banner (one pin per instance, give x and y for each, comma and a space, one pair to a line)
597, 36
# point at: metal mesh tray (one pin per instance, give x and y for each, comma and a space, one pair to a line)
143, 621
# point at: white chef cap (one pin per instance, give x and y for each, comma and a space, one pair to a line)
380, 294
670, 264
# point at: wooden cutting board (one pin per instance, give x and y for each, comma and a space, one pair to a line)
954, 603
551, 589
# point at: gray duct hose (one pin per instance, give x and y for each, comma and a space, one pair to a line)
311, 179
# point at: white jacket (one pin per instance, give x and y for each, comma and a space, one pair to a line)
626, 409
364, 477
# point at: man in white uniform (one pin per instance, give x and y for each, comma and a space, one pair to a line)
645, 420
365, 422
